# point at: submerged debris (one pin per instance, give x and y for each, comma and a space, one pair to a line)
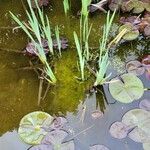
32, 50
40, 3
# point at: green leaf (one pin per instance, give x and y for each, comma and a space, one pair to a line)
146, 146
131, 33
136, 117
32, 128
127, 88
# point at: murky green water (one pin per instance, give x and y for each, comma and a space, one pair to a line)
19, 85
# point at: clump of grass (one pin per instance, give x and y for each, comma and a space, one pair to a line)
57, 34
39, 31
33, 28
103, 61
82, 44
80, 55
66, 6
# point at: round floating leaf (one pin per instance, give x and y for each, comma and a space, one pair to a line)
135, 67
97, 114
147, 31
127, 88
131, 34
145, 104
32, 128
118, 130
127, 6
42, 147
138, 7
146, 146
98, 147
135, 117
138, 135
55, 137
58, 123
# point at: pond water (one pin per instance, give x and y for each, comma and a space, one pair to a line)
19, 83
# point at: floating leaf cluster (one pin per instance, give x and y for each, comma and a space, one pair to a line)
135, 25
44, 132
32, 50
135, 124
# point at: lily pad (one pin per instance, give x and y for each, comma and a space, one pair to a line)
64, 146
98, 147
42, 147
136, 117
146, 146
145, 104
132, 32
127, 88
138, 7
119, 130
59, 122
55, 137
138, 135
135, 67
32, 50
33, 127
97, 114
68, 145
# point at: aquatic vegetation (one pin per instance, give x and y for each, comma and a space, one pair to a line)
47, 131
97, 114
32, 50
84, 10
58, 39
33, 29
66, 6
145, 104
39, 34
135, 125
135, 67
63, 42
32, 127
138, 68
136, 25
80, 55
126, 88
103, 52
119, 130
132, 32
40, 129
40, 3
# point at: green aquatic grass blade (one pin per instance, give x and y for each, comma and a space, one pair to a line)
103, 62
58, 39
81, 56
66, 6
21, 25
